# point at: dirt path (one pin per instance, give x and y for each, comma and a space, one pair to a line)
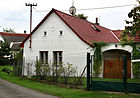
10, 90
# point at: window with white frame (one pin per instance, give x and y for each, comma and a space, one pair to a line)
57, 57
44, 57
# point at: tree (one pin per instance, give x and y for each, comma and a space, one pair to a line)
9, 30
5, 53
133, 29
81, 16
129, 34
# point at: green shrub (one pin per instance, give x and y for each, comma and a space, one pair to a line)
67, 70
136, 69
136, 65
42, 70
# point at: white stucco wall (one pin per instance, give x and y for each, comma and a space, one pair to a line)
74, 49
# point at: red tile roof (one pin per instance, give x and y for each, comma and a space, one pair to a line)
13, 37
83, 29
118, 32
137, 38
13, 34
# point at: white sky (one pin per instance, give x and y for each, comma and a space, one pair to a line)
15, 15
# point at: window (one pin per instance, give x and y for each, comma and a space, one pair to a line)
44, 57
57, 57
45, 33
61, 32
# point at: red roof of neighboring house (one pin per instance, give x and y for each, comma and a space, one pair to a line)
118, 32
13, 37
137, 38
85, 30
13, 34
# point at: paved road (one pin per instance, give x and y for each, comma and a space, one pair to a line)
10, 90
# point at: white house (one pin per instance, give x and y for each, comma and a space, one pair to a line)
60, 37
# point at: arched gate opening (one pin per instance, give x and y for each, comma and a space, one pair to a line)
113, 63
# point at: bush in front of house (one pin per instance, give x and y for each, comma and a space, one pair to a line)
136, 65
68, 70
61, 73
136, 69
42, 70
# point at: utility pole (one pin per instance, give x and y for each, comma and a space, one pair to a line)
31, 5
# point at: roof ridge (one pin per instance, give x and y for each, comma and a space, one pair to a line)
79, 19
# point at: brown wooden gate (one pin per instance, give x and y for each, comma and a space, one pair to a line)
113, 64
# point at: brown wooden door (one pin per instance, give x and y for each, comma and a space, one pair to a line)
113, 64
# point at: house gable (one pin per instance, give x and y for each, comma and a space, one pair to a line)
53, 40
58, 37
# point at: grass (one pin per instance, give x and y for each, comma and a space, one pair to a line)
61, 92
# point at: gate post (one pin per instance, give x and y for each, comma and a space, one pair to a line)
125, 74
88, 72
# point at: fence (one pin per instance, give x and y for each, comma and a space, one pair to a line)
17, 67
114, 66
115, 86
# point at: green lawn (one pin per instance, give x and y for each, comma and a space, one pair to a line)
59, 91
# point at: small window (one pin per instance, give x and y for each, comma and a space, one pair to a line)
45, 33
61, 33
44, 57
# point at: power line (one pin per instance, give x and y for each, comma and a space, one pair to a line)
106, 7
93, 8
37, 11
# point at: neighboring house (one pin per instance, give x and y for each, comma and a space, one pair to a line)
14, 39
60, 37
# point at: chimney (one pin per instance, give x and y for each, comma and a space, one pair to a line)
24, 31
97, 21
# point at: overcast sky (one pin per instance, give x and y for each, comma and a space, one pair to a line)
15, 15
